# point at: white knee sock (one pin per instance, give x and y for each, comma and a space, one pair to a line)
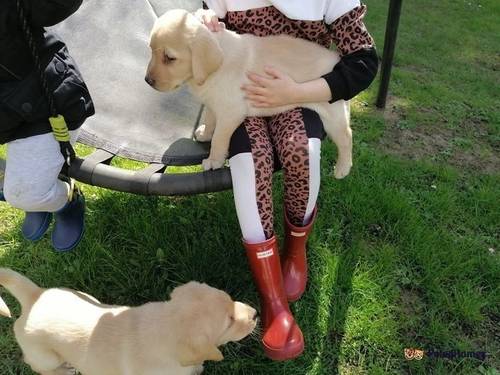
314, 177
245, 200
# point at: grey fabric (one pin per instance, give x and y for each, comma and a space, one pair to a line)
109, 41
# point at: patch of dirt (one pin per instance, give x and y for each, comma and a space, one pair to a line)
439, 142
410, 307
410, 302
490, 64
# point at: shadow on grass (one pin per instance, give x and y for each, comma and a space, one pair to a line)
342, 288
333, 279
137, 249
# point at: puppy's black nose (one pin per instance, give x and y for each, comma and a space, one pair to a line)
150, 81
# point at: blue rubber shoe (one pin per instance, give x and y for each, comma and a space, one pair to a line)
69, 223
35, 225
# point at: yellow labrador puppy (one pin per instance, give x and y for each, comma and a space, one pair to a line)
62, 329
214, 66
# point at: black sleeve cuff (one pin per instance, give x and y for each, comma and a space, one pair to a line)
353, 74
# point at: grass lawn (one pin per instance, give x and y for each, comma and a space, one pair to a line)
405, 250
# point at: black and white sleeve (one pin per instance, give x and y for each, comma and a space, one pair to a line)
358, 65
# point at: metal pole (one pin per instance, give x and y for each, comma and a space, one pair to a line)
391, 33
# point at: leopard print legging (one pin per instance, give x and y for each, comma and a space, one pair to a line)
280, 141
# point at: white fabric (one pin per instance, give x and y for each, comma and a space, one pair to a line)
311, 10
245, 200
314, 177
31, 174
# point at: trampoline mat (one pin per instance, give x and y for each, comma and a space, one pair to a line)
109, 41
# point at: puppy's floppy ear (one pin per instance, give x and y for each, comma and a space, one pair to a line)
185, 290
194, 351
206, 54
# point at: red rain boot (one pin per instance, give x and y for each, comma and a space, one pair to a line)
282, 337
294, 267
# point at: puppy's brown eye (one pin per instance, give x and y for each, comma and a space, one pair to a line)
168, 59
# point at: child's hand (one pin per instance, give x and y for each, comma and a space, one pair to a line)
210, 20
275, 90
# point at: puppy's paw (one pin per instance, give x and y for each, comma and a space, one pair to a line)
201, 134
212, 164
341, 170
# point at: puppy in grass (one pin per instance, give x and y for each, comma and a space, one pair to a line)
214, 65
61, 330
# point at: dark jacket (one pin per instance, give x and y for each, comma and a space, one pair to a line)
24, 109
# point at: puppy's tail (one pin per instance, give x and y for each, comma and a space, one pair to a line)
25, 290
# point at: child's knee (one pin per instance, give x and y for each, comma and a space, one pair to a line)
295, 154
16, 197
24, 197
